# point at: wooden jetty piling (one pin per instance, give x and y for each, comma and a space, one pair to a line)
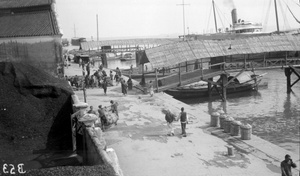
179, 73
224, 79
288, 72
156, 80
209, 87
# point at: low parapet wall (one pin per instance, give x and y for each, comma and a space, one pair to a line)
94, 148
95, 151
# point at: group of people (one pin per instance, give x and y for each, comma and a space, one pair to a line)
101, 113
100, 79
170, 118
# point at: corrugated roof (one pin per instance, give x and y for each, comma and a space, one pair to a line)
7, 4
42, 23
156, 41
178, 52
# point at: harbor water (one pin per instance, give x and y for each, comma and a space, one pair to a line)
273, 114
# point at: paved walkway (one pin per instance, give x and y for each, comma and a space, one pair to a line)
143, 148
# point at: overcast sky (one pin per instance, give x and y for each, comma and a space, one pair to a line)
147, 18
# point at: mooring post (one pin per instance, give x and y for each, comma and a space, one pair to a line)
156, 80
209, 87
264, 64
224, 81
179, 74
186, 66
143, 82
286, 56
288, 73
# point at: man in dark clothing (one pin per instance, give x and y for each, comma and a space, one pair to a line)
286, 166
117, 78
88, 68
102, 117
170, 118
111, 75
183, 120
104, 85
118, 71
129, 83
75, 81
91, 111
114, 107
124, 87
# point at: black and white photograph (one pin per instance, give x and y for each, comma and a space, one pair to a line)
150, 87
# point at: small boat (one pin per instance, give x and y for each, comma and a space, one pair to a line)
127, 57
196, 90
136, 75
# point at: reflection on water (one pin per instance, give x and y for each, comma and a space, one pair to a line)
273, 114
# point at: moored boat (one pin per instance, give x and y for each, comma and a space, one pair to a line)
238, 85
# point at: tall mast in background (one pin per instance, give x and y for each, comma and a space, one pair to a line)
216, 26
276, 16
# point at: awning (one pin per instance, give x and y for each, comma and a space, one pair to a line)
151, 41
178, 52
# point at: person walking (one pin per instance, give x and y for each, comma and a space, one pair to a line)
151, 91
169, 117
102, 117
183, 120
79, 62
88, 68
131, 70
124, 87
104, 85
111, 75
118, 71
129, 83
114, 109
286, 166
117, 79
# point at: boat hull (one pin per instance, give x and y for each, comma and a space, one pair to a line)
186, 93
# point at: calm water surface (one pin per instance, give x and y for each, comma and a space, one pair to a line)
273, 114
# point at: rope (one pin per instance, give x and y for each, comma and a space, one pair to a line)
217, 8
267, 16
286, 23
293, 14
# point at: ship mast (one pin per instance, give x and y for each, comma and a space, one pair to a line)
276, 16
213, 3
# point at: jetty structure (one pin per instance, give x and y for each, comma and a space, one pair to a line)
189, 61
175, 63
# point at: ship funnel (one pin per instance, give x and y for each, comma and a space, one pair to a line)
234, 16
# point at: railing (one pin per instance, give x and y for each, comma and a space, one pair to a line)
267, 63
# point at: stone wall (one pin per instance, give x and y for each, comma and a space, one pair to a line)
94, 146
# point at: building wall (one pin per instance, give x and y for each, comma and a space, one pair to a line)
43, 52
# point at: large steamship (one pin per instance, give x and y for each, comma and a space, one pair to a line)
243, 27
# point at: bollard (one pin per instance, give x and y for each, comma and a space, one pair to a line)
235, 128
227, 122
230, 151
222, 119
246, 131
214, 119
